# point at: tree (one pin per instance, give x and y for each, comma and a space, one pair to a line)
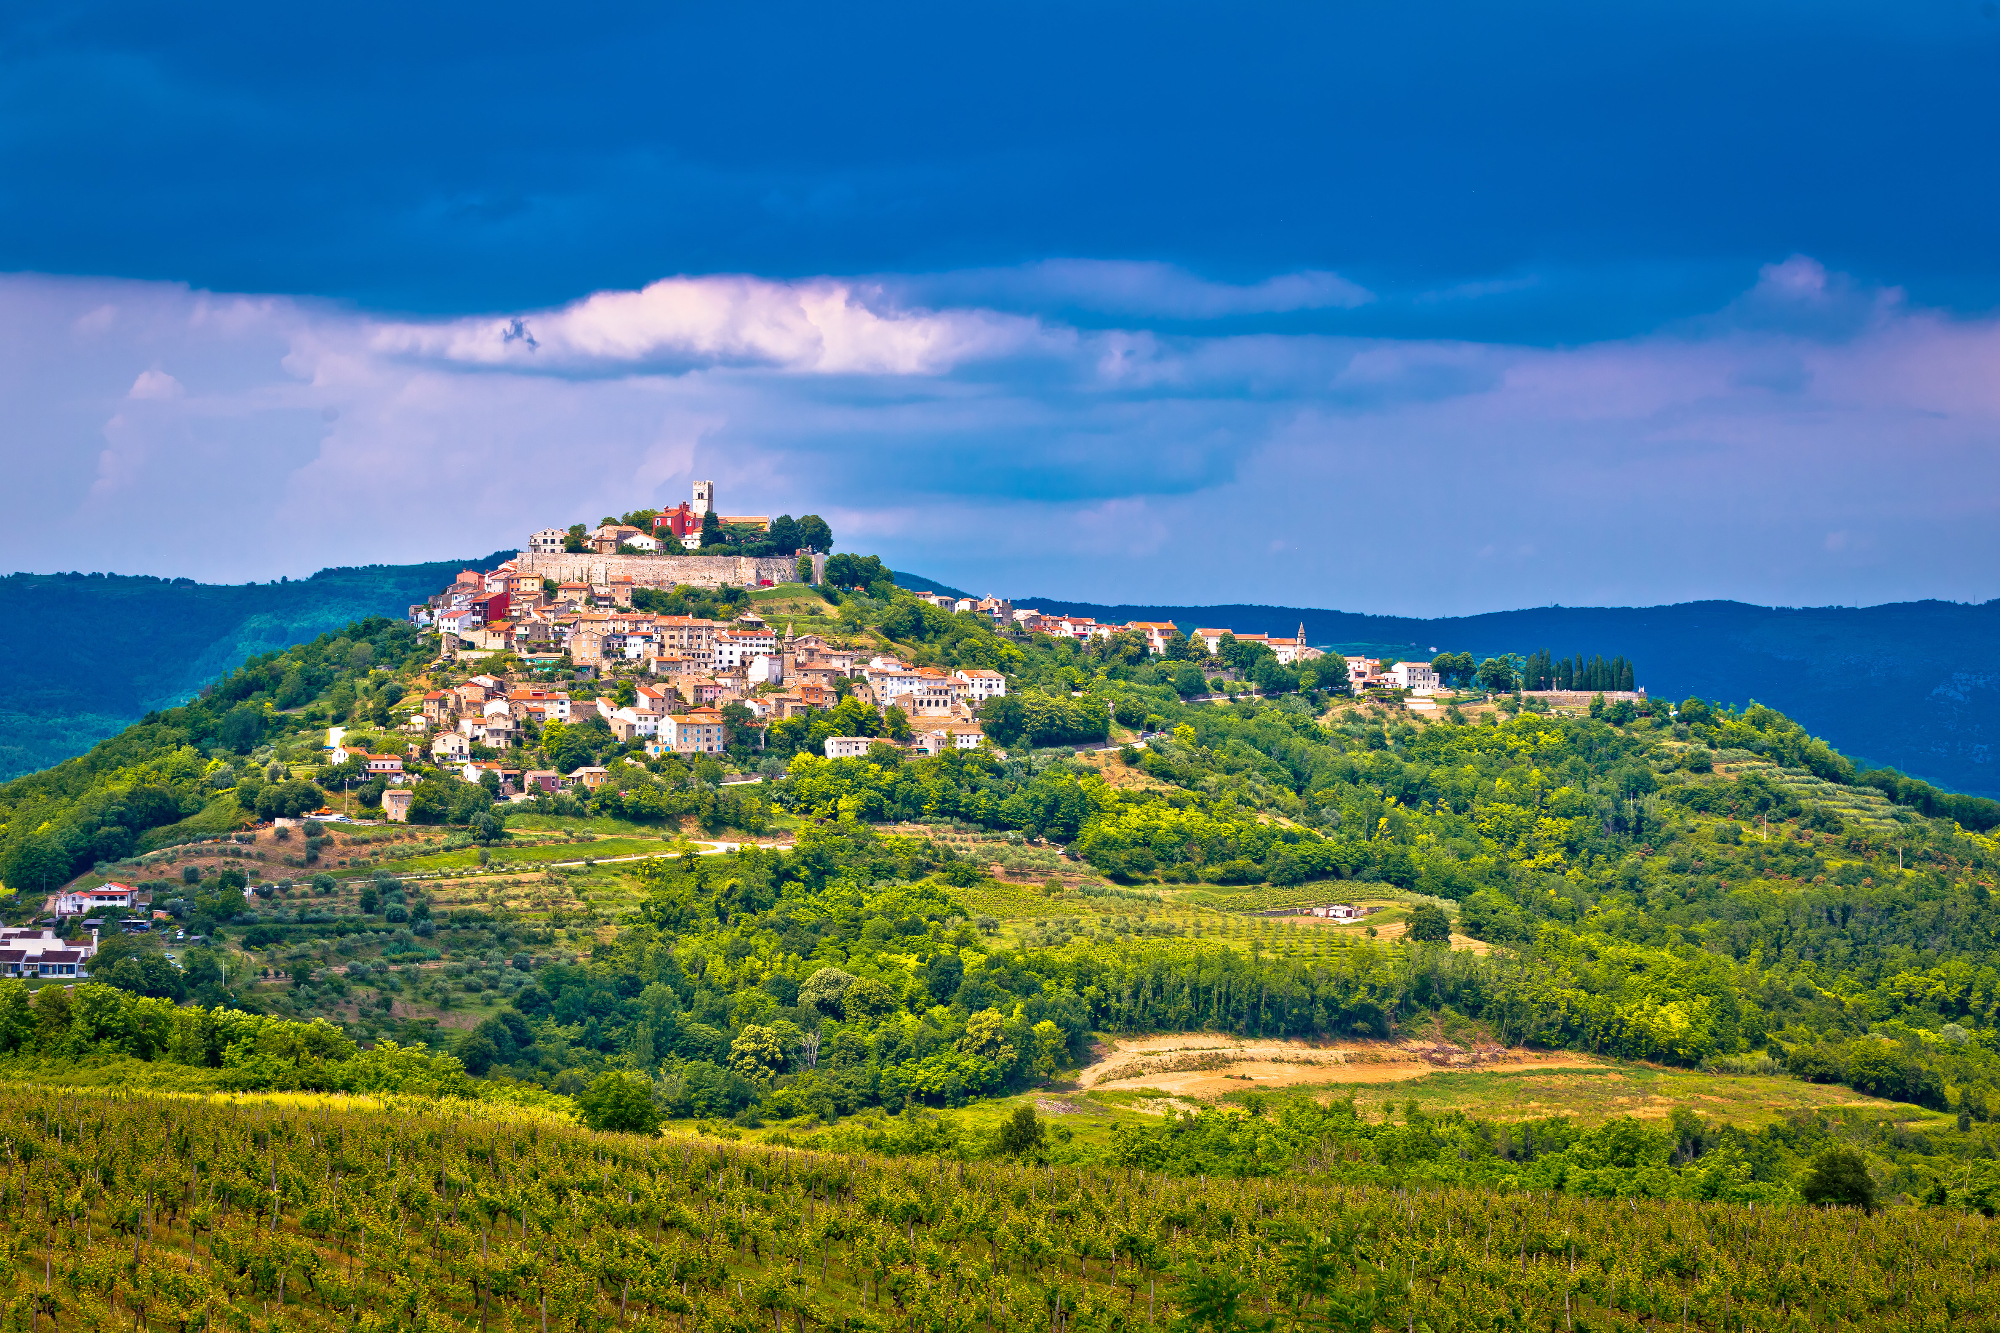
144, 974
488, 826
737, 720
478, 1053
711, 530
757, 1052
1453, 668
38, 861
1839, 1177
1022, 1133
869, 999
1329, 673
1496, 674
783, 538
1188, 681
243, 727
621, 1102
289, 800
856, 571
1050, 1046
814, 533
1430, 925
805, 569
430, 801
823, 991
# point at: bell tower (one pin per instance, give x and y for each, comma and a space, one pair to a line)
704, 497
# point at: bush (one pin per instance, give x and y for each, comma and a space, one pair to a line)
1023, 1133
1429, 924
1839, 1178
289, 800
622, 1102
704, 1088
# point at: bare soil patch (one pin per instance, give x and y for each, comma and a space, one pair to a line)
1207, 1065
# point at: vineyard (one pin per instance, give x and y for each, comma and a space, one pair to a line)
125, 1211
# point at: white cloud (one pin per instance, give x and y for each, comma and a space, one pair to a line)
823, 326
1775, 459
155, 384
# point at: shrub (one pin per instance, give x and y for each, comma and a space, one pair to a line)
1429, 924
1839, 1178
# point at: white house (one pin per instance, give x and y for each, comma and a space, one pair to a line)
103, 898
41, 953
463, 620
734, 647
848, 747
641, 722
981, 684
888, 678
549, 541
1417, 677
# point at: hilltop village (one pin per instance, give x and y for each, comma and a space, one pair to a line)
668, 665
597, 605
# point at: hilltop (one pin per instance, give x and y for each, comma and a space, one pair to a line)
1905, 685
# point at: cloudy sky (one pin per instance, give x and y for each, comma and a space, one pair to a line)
1428, 308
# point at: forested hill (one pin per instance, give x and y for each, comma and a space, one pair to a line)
84, 655
1910, 685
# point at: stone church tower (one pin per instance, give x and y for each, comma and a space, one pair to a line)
704, 497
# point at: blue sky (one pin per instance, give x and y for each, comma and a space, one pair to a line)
1426, 308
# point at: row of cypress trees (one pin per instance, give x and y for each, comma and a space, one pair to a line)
1544, 672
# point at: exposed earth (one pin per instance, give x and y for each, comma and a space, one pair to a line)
1207, 1065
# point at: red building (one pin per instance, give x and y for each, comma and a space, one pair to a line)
680, 522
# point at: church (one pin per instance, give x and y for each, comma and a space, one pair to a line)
683, 521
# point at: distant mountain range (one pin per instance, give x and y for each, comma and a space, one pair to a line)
83, 656
1913, 685
1910, 685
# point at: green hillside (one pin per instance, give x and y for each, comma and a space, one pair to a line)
896, 952
82, 656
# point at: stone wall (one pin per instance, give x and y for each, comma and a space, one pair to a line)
665, 571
